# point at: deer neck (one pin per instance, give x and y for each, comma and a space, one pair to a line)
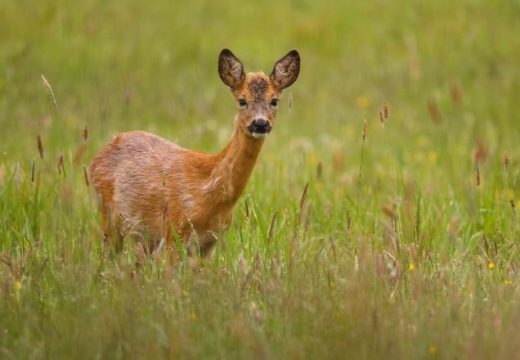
234, 165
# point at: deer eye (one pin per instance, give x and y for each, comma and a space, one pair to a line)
242, 103
274, 103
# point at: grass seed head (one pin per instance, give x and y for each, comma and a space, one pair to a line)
40, 146
48, 86
60, 164
456, 93
433, 109
85, 133
85, 175
32, 171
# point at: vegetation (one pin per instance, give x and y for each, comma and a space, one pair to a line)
381, 220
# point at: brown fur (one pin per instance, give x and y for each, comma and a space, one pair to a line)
152, 187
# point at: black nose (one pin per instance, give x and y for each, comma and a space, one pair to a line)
260, 126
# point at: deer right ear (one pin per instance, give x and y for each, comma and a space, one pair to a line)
230, 69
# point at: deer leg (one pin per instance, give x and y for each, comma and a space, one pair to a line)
112, 236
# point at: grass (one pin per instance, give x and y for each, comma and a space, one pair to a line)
393, 249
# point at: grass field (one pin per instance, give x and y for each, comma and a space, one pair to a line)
405, 244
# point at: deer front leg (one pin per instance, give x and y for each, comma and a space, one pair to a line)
112, 236
202, 245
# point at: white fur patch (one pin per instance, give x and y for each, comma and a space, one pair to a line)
259, 135
210, 184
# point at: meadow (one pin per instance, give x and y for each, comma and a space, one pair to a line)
381, 221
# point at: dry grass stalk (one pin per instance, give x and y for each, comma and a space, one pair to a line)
319, 171
60, 165
481, 153
85, 175
384, 113
506, 162
456, 93
32, 171
85, 133
363, 137
390, 211
478, 175
79, 154
433, 108
304, 196
40, 146
270, 232
49, 89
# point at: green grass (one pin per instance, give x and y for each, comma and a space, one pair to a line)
394, 251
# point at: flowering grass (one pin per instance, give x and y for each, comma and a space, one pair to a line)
381, 220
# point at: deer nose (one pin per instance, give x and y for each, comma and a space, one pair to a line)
260, 126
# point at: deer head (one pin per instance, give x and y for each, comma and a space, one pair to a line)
257, 94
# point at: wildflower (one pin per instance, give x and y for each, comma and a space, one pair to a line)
508, 282
17, 288
363, 101
411, 267
432, 350
312, 160
432, 157
491, 265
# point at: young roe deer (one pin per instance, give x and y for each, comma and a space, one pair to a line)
151, 185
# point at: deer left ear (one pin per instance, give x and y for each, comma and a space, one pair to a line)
286, 70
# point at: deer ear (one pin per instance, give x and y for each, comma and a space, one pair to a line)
230, 69
286, 70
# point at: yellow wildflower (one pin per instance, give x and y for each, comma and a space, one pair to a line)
363, 101
508, 282
432, 350
432, 157
17, 286
491, 265
411, 267
312, 160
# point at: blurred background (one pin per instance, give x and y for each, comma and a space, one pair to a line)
448, 71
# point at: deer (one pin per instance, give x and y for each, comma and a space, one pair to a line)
152, 187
